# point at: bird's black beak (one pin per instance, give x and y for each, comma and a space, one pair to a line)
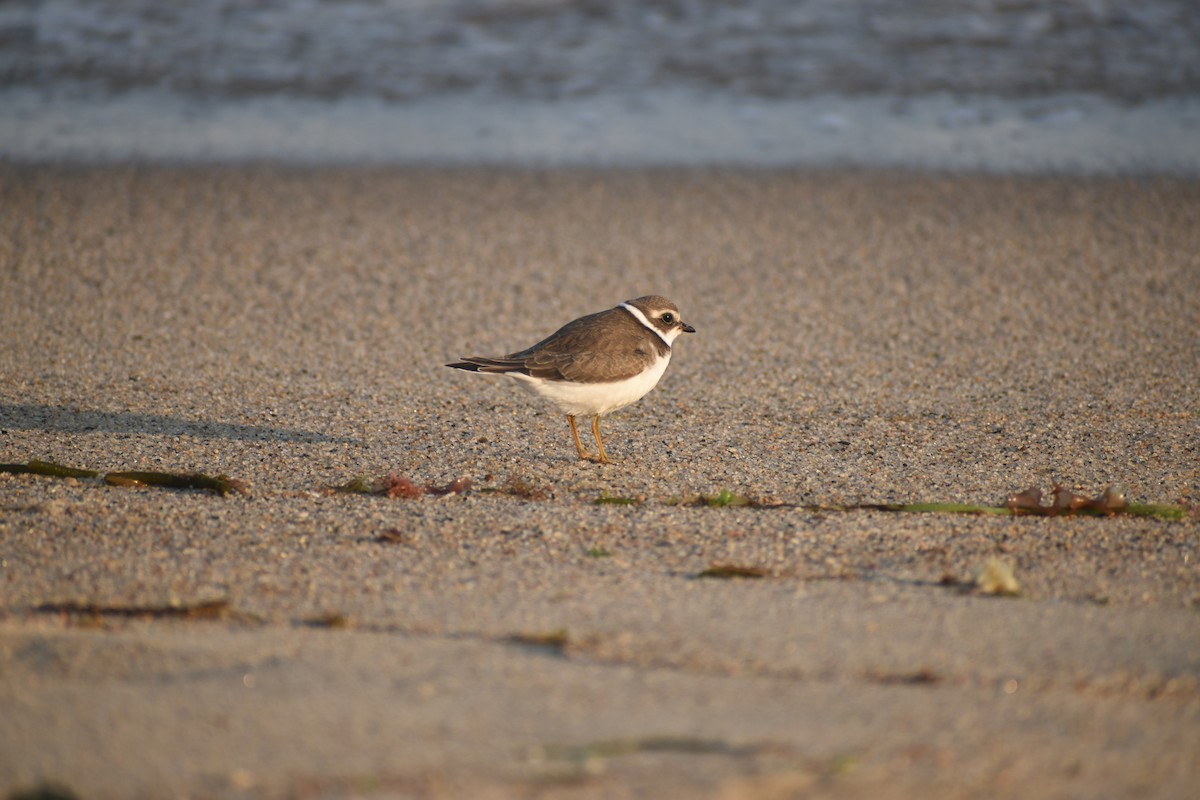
688, 328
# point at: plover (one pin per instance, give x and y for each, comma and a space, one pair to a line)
596, 364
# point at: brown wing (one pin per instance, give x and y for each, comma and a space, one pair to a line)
608, 346
582, 351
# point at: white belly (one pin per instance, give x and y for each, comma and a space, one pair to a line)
596, 399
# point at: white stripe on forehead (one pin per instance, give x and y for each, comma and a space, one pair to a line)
640, 317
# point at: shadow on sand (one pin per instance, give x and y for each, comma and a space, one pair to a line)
58, 418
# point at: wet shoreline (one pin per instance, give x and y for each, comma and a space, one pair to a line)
1067, 134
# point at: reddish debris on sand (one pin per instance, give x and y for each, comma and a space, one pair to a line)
456, 486
400, 486
1110, 501
1028, 501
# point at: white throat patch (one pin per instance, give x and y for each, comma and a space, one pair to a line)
637, 313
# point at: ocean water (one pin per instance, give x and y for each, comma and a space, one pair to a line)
545, 49
959, 83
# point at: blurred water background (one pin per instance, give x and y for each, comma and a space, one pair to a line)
617, 61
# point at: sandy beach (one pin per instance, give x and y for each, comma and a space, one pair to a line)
863, 337
935, 253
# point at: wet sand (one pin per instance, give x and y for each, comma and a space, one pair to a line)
1060, 133
863, 337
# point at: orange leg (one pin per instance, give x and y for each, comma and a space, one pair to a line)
596, 432
603, 457
578, 444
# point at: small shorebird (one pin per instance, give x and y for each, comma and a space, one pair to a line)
596, 364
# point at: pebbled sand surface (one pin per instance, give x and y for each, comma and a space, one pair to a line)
863, 337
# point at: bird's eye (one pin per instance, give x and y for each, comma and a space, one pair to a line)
668, 318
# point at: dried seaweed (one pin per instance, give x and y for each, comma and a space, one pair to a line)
49, 469
727, 571
612, 748
400, 486
931, 508
517, 486
356, 485
219, 484
1029, 502
555, 640
1110, 502
459, 485
204, 609
606, 499
924, 676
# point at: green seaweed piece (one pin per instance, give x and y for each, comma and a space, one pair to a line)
721, 499
727, 499
1159, 510
358, 485
606, 499
60, 470
220, 484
